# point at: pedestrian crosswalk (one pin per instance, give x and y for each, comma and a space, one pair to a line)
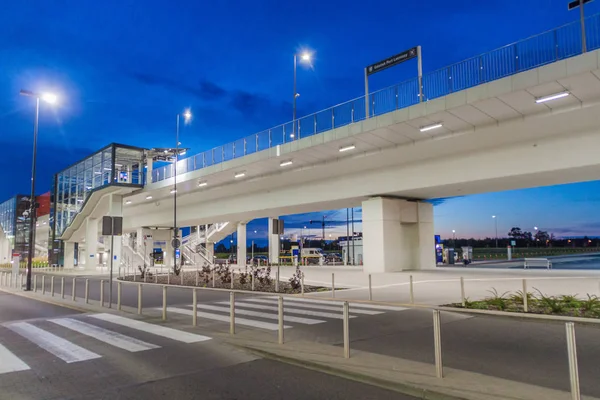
56, 336
257, 312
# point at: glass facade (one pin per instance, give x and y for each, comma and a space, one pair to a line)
113, 165
14, 223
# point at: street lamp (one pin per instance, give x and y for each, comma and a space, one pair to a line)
496, 223
453, 238
187, 116
305, 57
51, 99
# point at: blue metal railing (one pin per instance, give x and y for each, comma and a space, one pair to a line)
557, 44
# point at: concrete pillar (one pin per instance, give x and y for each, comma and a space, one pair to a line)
69, 258
274, 243
5, 255
397, 235
91, 243
149, 168
115, 209
241, 243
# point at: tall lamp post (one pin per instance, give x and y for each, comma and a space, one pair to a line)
48, 98
187, 116
453, 238
304, 57
496, 224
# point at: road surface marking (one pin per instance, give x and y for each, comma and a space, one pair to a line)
225, 318
306, 321
324, 308
352, 305
291, 310
9, 362
61, 348
104, 335
158, 330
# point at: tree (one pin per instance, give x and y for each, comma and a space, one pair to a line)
542, 236
516, 233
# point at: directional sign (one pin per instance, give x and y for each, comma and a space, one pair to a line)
393, 60
175, 243
574, 4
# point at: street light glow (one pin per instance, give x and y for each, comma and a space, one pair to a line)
305, 56
187, 115
50, 98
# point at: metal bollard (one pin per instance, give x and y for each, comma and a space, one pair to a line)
232, 278
302, 284
35, 283
140, 299
155, 275
101, 293
232, 313
195, 307
197, 276
280, 315
525, 299
437, 342
346, 330
252, 279
462, 292
169, 277
181, 275
51, 285
73, 291
213, 276
119, 296
164, 310
43, 284
572, 353
22, 280
62, 287
370, 289
145, 276
277, 282
412, 291
332, 284
87, 291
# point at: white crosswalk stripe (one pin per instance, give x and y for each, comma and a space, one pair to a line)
291, 310
104, 335
305, 321
61, 348
225, 318
158, 330
352, 305
9, 362
312, 306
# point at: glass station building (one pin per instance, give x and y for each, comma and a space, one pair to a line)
15, 224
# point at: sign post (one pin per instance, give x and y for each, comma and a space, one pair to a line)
573, 5
399, 58
112, 226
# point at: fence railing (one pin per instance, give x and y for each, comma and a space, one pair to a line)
557, 44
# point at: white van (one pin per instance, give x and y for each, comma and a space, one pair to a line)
312, 256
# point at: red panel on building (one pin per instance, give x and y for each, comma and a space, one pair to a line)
44, 201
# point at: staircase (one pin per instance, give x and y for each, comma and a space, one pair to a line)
193, 249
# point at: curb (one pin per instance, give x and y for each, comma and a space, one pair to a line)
420, 393
47, 301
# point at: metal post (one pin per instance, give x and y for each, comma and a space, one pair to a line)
366, 94
302, 283
73, 290
277, 281
119, 296
332, 284
280, 314
86, 294
32, 199
420, 73
112, 257
346, 330
140, 299
164, 310
168, 277
232, 313
102, 293
34, 282
462, 292
213, 276
181, 274
62, 287
437, 341
251, 279
43, 284
583, 38
51, 285
412, 292
195, 307
572, 353
232, 277
370, 289
525, 299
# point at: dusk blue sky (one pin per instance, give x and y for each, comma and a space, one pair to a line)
123, 69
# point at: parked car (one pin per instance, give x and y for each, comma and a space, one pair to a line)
333, 259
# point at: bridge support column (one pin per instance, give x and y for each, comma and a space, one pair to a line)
91, 243
241, 243
397, 235
69, 258
274, 244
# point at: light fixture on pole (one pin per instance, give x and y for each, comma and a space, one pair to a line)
51, 99
305, 57
187, 116
496, 224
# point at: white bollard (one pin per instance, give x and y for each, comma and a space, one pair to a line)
252, 279
35, 283
197, 276
86, 295
119, 296
181, 275
43, 284
280, 319
168, 277
232, 279
155, 275
140, 299
277, 281
573, 368
51, 285
101, 293
62, 287
73, 291
370, 289
232, 313
213, 276
195, 307
437, 342
164, 310
332, 284
346, 330
525, 299
462, 292
412, 291
302, 283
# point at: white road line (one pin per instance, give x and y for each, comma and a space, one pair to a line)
324, 308
104, 335
353, 305
225, 318
306, 321
61, 348
292, 310
158, 330
9, 362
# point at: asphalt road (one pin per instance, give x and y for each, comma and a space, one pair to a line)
168, 368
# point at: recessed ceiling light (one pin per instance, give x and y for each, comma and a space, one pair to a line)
347, 148
430, 127
202, 184
148, 197
286, 163
552, 97
240, 175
